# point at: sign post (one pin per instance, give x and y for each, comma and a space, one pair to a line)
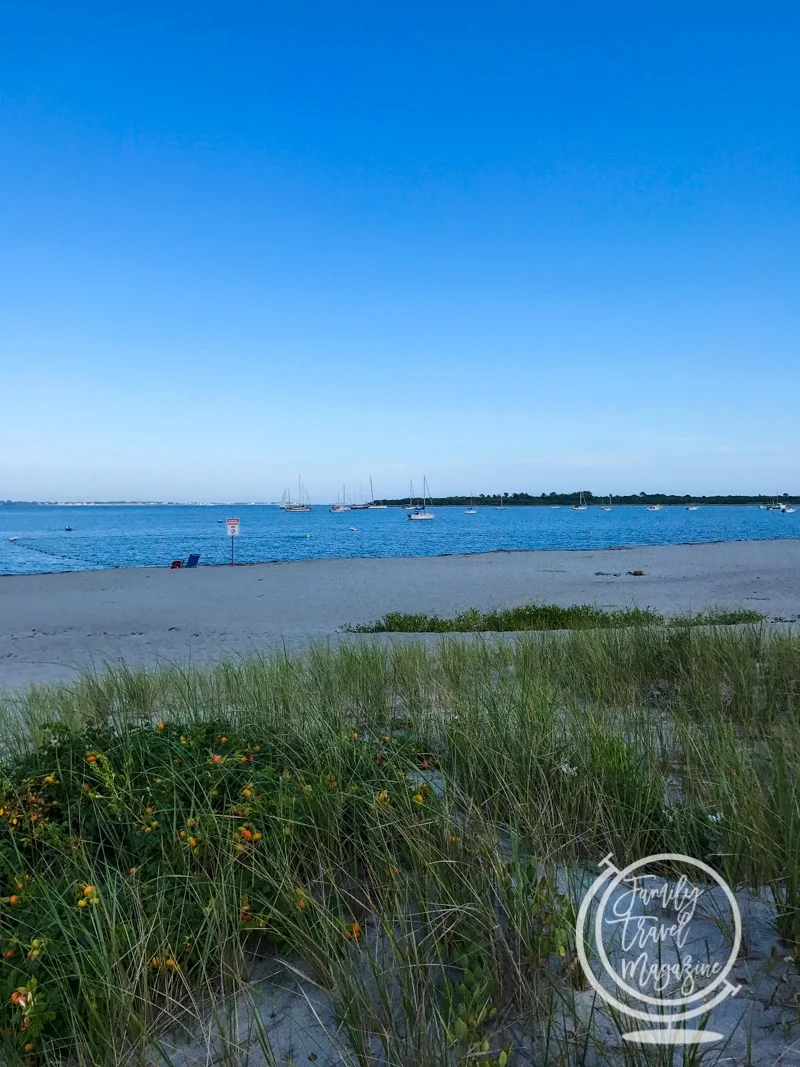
233, 532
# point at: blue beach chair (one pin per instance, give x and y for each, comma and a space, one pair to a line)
193, 559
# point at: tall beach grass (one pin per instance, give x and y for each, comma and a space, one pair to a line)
399, 825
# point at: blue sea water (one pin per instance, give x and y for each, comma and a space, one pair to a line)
152, 536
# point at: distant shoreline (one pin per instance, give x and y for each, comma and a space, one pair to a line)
512, 500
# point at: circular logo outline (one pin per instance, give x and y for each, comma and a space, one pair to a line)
617, 878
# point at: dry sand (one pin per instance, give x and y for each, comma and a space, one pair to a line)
54, 624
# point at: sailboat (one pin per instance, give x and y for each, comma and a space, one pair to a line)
500, 506
372, 505
301, 504
363, 506
420, 512
340, 504
470, 510
606, 507
581, 505
410, 506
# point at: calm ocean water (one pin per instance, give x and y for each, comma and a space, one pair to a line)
152, 536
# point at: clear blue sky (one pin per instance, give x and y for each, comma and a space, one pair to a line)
509, 245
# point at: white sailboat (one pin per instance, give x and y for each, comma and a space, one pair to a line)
340, 504
303, 503
471, 510
372, 505
606, 507
420, 513
500, 506
410, 506
581, 505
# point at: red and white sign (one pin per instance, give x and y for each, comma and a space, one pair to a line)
233, 527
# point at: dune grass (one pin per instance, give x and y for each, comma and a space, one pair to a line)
392, 823
545, 617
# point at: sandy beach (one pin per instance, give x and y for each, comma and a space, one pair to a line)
53, 625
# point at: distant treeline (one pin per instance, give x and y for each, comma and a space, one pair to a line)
548, 499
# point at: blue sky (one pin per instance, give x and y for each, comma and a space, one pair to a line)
508, 245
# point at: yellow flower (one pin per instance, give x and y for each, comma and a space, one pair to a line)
160, 725
82, 902
418, 798
88, 890
247, 792
51, 779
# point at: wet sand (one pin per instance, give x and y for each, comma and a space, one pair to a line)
53, 625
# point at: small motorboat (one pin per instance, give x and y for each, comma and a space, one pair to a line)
68, 529
654, 507
692, 507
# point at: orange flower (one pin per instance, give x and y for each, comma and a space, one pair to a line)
301, 904
223, 740
356, 931
246, 834
13, 899
217, 759
9, 952
160, 725
91, 759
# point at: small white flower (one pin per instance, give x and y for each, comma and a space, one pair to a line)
715, 817
566, 769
